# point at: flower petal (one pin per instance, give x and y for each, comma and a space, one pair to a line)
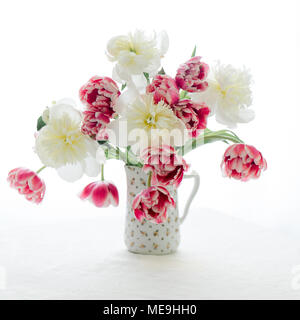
99, 195
91, 167
70, 172
114, 193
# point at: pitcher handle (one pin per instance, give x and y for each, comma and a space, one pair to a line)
196, 178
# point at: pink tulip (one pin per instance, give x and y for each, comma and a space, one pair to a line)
163, 88
192, 74
152, 204
28, 183
194, 115
101, 194
98, 91
243, 162
99, 95
166, 165
102, 134
96, 119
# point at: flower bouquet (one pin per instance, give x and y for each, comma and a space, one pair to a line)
149, 120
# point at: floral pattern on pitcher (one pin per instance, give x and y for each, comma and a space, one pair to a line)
147, 237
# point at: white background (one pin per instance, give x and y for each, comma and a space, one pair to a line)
50, 48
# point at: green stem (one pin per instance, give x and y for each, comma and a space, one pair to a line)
132, 160
149, 179
194, 52
102, 172
209, 137
41, 169
112, 152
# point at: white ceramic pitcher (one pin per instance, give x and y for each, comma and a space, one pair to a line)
147, 237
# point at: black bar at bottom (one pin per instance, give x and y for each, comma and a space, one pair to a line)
144, 309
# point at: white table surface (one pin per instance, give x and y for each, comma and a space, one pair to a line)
84, 257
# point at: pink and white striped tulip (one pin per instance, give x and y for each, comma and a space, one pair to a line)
163, 88
99, 95
101, 193
192, 74
103, 134
152, 204
28, 183
194, 115
166, 165
95, 119
99, 91
243, 162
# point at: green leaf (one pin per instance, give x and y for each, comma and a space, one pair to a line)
194, 52
146, 74
123, 86
161, 71
209, 136
184, 95
40, 123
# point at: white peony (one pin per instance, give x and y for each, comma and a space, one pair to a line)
228, 95
61, 144
143, 122
136, 53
